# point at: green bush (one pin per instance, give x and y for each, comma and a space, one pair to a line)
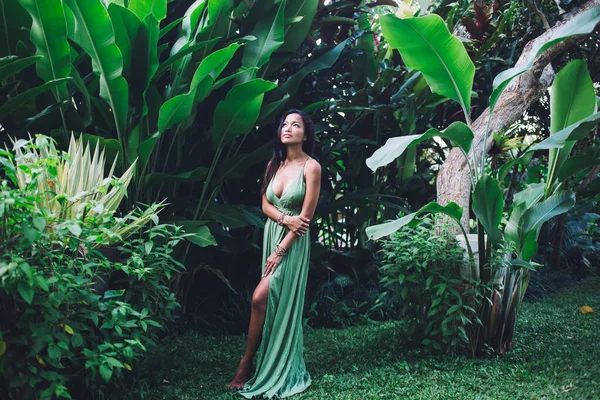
421, 270
74, 313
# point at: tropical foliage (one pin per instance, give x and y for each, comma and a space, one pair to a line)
72, 319
72, 185
449, 72
422, 271
175, 104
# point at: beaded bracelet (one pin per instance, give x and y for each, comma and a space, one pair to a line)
280, 219
280, 250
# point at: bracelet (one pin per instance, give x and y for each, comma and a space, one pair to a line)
280, 219
280, 250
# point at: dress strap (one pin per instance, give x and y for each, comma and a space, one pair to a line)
303, 165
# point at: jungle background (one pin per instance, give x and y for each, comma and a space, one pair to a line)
183, 99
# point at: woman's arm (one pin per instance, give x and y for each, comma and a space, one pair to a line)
311, 197
269, 209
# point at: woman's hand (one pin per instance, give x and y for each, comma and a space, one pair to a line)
272, 263
297, 224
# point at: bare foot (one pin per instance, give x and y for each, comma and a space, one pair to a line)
241, 375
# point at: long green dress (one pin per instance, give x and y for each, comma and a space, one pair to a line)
280, 369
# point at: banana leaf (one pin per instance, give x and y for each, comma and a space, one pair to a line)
426, 45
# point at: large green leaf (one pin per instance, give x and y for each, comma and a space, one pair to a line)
529, 247
202, 237
175, 110
541, 212
576, 131
458, 133
7, 59
425, 44
269, 35
406, 165
253, 215
143, 8
182, 54
302, 13
132, 33
227, 214
145, 149
199, 233
22, 98
582, 24
576, 164
572, 98
513, 228
488, 204
26, 291
94, 33
525, 241
365, 66
254, 11
219, 25
126, 25
530, 195
522, 160
49, 35
378, 231
188, 25
178, 108
147, 39
169, 27
223, 81
16, 65
237, 114
270, 108
210, 69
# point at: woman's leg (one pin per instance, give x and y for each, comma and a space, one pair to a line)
257, 320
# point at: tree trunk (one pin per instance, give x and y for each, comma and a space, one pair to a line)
453, 180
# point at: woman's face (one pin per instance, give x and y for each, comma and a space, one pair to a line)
292, 130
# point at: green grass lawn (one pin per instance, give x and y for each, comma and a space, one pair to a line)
557, 355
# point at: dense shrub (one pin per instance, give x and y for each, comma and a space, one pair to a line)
338, 304
71, 319
344, 290
421, 270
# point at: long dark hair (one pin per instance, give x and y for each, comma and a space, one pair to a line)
280, 149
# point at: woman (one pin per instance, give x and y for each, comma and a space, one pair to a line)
290, 192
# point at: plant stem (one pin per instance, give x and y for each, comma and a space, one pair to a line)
481, 247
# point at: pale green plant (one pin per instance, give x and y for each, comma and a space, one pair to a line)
76, 176
73, 185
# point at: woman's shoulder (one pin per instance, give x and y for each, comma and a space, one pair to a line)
313, 166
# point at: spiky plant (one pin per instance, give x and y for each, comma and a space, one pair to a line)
74, 184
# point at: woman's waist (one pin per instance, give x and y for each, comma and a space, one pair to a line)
289, 211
